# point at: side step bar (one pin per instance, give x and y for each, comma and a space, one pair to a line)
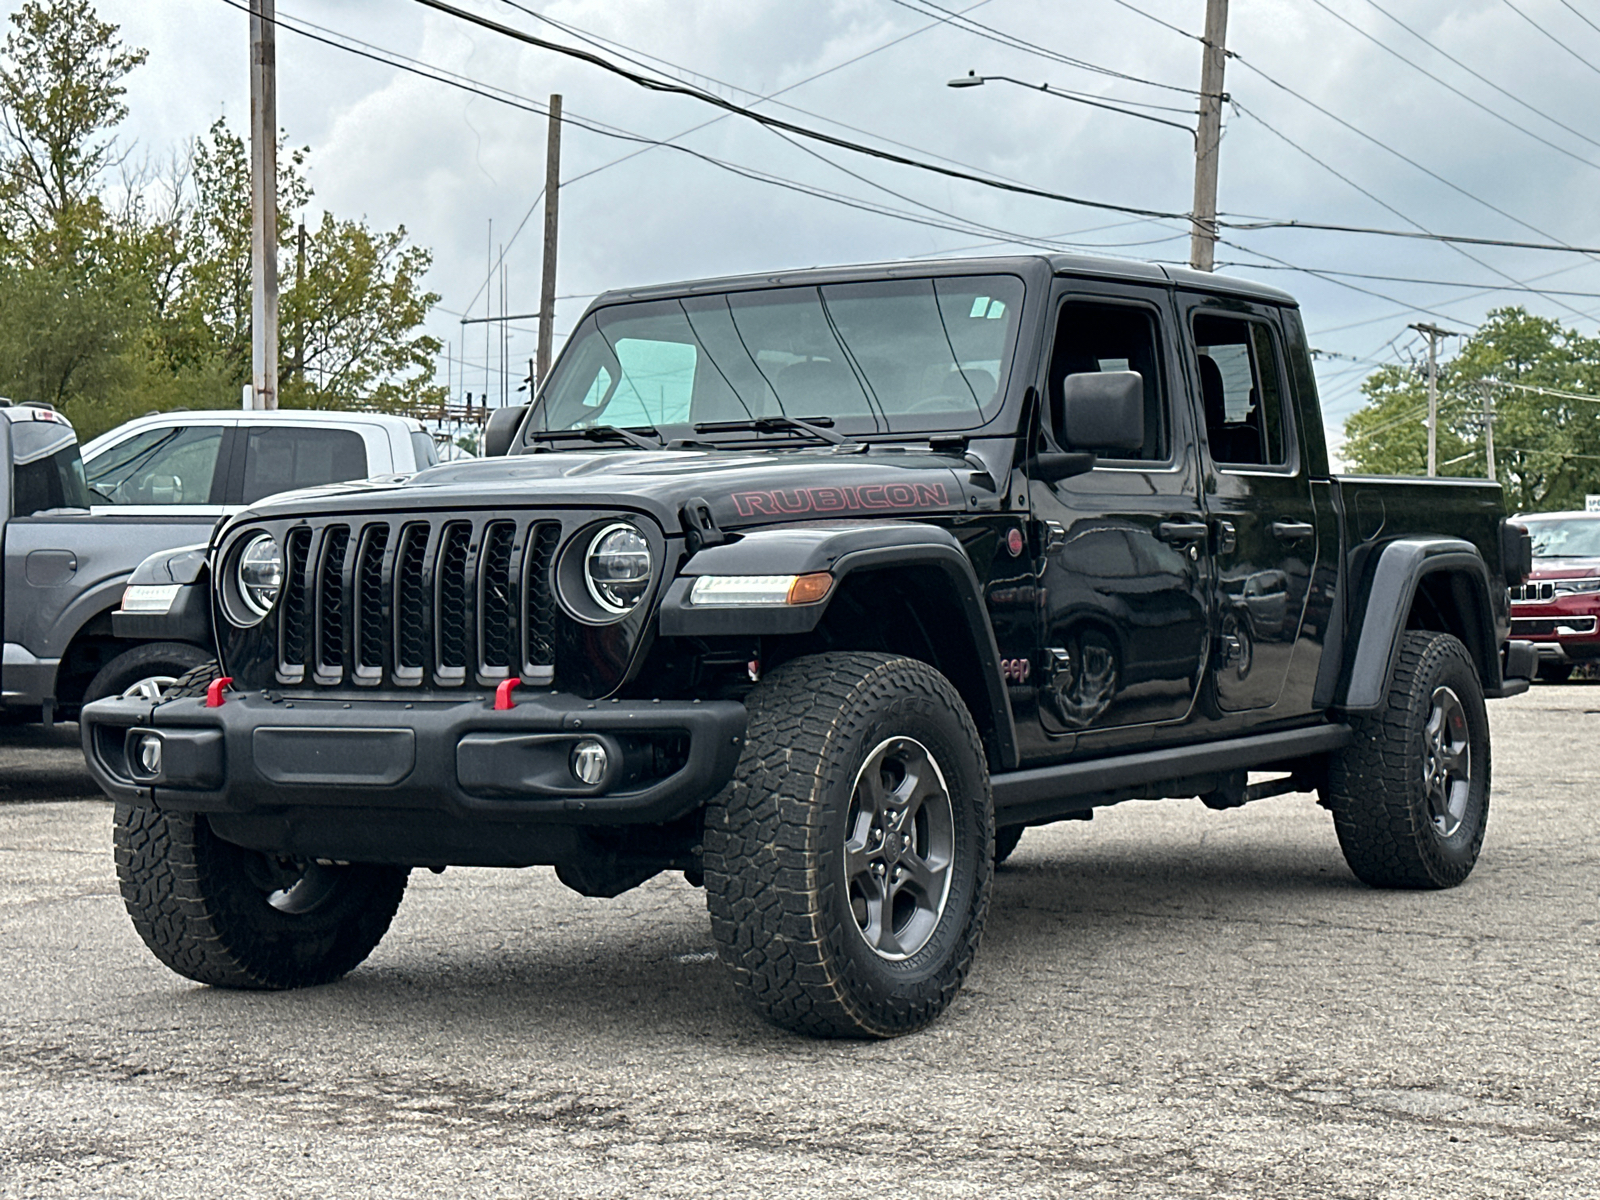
1042, 794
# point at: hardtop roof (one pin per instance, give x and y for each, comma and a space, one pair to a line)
1081, 265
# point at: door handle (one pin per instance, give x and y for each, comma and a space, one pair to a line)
1227, 539
1182, 531
1293, 531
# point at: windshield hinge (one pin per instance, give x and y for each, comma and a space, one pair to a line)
699, 526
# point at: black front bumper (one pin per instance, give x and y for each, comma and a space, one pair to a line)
454, 762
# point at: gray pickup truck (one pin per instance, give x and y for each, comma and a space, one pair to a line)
76, 528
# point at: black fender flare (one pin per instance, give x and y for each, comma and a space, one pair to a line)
842, 549
188, 618
1391, 587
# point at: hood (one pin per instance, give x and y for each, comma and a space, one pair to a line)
741, 487
1564, 568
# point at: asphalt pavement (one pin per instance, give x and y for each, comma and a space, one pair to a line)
1169, 1002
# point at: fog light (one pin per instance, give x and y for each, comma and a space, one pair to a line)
150, 755
589, 761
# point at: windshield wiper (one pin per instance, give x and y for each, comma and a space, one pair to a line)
599, 433
773, 424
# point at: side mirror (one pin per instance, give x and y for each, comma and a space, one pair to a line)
501, 429
1103, 410
1053, 468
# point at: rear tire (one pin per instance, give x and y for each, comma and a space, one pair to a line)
230, 917
1410, 797
154, 666
848, 864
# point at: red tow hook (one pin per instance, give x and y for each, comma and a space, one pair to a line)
502, 695
214, 696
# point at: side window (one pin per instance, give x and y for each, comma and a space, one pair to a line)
282, 459
171, 464
423, 450
1112, 337
1240, 391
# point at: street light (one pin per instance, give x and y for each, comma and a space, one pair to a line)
973, 79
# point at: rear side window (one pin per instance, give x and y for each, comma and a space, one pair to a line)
46, 468
280, 460
171, 464
1111, 337
1240, 391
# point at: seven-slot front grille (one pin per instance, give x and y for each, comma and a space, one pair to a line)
451, 602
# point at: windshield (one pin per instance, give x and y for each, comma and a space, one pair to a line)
1570, 538
907, 355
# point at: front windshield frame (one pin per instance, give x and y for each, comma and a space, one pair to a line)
714, 330
1571, 537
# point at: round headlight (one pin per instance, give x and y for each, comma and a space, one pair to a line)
617, 568
260, 574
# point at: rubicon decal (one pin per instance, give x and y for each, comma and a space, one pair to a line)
790, 501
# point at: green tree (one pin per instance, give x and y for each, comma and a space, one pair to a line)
1547, 448
68, 317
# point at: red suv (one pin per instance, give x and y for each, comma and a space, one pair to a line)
1558, 607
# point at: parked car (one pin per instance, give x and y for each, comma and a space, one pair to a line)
805, 585
151, 485
1558, 607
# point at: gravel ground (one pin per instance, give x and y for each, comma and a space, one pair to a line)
1170, 1002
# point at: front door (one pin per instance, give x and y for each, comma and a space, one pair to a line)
1124, 554
1258, 499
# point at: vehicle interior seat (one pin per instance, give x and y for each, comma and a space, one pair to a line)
819, 387
1231, 441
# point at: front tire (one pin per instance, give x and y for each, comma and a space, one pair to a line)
848, 864
1410, 797
230, 917
145, 672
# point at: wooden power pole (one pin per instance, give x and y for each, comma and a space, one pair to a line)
263, 205
1203, 237
1433, 333
552, 205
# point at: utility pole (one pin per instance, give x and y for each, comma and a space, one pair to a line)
1488, 424
1433, 333
547, 278
263, 204
1208, 138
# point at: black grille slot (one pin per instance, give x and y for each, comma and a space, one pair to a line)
455, 591
497, 611
292, 623
540, 605
331, 615
411, 605
371, 629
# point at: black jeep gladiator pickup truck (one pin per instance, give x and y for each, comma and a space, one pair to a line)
819, 588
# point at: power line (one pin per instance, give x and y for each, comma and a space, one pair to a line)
1434, 46
956, 225
1568, 6
1158, 20
1432, 174
574, 31
1450, 283
1450, 87
989, 32
1552, 37
673, 88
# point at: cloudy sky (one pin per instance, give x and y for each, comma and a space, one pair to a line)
1337, 121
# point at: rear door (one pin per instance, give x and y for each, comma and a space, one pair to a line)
280, 458
1123, 549
1257, 496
